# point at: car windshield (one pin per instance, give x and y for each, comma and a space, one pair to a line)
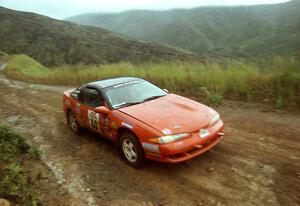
131, 93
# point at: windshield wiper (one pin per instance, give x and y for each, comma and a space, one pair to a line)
126, 104
152, 98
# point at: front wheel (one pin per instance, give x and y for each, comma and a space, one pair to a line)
131, 150
73, 123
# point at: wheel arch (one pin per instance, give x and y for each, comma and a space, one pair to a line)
67, 114
120, 131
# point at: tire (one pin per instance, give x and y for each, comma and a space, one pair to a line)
131, 150
73, 123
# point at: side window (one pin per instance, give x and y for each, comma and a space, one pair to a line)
81, 92
93, 98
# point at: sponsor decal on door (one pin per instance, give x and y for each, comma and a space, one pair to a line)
93, 118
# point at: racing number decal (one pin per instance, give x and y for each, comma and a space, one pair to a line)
93, 118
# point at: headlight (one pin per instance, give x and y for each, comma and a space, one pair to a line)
215, 119
203, 133
169, 138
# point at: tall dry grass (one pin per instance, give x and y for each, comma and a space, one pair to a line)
276, 80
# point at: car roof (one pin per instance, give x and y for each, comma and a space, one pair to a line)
112, 81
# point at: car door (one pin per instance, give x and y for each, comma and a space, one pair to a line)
92, 100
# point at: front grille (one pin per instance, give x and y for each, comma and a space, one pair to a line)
177, 156
194, 150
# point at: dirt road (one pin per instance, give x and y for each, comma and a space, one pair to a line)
258, 163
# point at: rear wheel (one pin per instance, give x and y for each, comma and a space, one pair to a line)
73, 123
131, 150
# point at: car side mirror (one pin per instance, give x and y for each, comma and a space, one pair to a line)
102, 110
166, 90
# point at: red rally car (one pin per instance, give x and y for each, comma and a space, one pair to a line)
144, 120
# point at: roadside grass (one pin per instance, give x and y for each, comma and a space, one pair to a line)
3, 57
15, 178
2, 54
274, 81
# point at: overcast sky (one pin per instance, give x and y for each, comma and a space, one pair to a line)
64, 8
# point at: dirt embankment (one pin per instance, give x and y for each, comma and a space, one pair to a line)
258, 163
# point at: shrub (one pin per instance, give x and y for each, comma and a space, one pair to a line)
15, 183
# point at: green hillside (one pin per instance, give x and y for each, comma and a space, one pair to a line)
53, 42
239, 31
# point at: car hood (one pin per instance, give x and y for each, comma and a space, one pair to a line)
172, 114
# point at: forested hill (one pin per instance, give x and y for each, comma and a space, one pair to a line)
239, 31
53, 42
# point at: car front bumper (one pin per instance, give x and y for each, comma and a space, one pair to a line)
187, 148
